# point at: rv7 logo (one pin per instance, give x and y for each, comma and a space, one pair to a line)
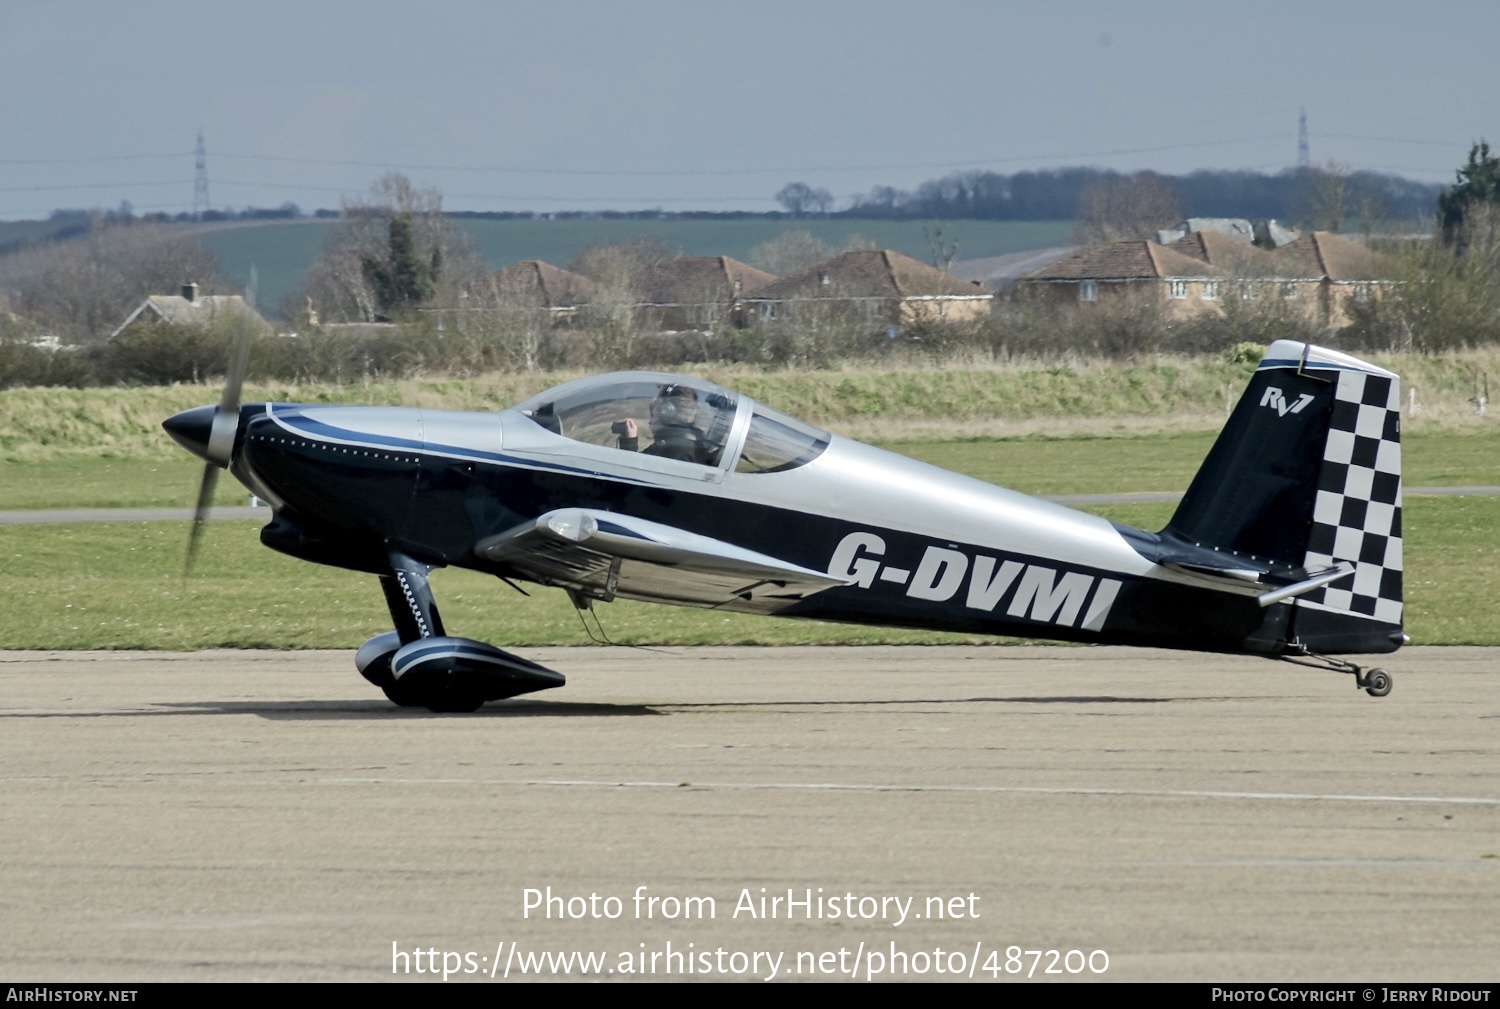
1030, 591
1277, 401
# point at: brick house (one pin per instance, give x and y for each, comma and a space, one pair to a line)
697, 292
880, 285
1130, 269
1318, 275
1331, 272
538, 286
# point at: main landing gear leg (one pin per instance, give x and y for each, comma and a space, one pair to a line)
1375, 682
408, 597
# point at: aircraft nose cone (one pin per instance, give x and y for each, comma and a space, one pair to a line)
191, 429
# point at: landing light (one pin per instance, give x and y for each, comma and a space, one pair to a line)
573, 524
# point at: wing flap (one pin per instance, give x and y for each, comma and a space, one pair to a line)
606, 555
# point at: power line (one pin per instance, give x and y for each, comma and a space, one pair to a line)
766, 170
528, 196
783, 170
152, 208
1390, 140
82, 161
89, 185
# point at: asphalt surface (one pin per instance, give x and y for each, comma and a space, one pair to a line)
55, 516
267, 815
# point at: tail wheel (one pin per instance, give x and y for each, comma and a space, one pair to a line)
1377, 683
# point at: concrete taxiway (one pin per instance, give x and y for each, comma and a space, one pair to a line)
267, 815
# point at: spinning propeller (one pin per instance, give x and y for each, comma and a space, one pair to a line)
208, 431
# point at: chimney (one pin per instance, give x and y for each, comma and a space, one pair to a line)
190, 293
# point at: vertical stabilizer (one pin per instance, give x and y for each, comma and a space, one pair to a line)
1307, 474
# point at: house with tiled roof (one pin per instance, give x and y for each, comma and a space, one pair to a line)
697, 292
1318, 275
1255, 270
537, 286
879, 285
1134, 268
1232, 255
1327, 273
193, 310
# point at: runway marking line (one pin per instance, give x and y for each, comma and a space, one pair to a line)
991, 789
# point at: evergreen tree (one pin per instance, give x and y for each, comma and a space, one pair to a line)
1478, 185
402, 280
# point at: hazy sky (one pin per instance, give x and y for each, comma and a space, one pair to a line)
586, 104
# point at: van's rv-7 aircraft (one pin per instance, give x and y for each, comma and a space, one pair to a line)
670, 489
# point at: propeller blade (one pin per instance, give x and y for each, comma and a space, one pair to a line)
200, 513
227, 417
226, 424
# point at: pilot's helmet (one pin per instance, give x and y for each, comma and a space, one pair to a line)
674, 405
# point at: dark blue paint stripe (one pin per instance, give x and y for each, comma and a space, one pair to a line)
295, 418
612, 527
422, 653
1311, 365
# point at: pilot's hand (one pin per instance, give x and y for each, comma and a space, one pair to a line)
631, 430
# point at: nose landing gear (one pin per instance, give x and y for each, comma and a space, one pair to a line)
419, 665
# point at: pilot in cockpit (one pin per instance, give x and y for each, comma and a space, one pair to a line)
674, 434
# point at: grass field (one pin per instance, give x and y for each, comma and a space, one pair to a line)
282, 251
119, 585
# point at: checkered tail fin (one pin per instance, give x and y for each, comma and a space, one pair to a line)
1307, 475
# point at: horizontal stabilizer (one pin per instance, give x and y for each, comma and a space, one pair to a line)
1232, 576
1302, 588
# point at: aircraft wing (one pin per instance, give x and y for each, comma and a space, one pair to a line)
604, 555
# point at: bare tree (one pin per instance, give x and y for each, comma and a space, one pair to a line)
512, 316
610, 321
1368, 206
622, 264
1326, 198
943, 245
788, 252
84, 288
1124, 207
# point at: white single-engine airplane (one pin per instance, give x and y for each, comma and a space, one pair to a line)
670, 489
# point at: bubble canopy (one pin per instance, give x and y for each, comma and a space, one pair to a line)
675, 417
